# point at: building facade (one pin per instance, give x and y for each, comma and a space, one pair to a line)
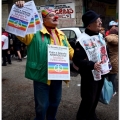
70, 11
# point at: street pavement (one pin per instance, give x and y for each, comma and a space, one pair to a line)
18, 100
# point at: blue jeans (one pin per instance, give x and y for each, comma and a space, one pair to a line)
47, 99
112, 78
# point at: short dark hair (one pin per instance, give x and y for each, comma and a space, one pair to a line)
113, 31
3, 30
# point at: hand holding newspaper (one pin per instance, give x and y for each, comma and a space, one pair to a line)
24, 20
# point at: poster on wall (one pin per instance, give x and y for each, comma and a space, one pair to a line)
49, 7
62, 10
65, 10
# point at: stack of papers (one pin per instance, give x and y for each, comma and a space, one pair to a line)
24, 20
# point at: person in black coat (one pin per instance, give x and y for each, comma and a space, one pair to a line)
90, 89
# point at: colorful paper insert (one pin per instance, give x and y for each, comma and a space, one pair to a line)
37, 21
57, 68
31, 23
17, 23
31, 28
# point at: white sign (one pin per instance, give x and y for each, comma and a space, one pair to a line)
65, 10
18, 20
62, 10
58, 63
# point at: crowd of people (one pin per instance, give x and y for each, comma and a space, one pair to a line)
47, 93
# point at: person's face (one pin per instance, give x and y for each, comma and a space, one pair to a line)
51, 20
95, 26
114, 27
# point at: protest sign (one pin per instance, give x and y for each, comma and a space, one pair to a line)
23, 20
18, 20
64, 11
58, 63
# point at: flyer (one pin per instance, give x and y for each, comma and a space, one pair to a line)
24, 20
32, 26
58, 63
18, 20
38, 18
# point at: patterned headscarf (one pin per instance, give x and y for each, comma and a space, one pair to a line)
46, 12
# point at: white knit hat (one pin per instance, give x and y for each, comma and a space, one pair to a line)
111, 23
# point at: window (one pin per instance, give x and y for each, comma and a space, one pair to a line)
67, 33
70, 35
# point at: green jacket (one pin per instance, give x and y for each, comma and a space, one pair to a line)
36, 65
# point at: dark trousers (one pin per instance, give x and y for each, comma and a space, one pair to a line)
47, 99
6, 55
112, 78
90, 92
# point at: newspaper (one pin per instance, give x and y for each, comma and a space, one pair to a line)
96, 52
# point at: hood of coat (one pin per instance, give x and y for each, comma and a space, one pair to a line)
112, 39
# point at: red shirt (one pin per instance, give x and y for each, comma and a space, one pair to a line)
107, 33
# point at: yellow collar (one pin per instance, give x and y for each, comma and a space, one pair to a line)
44, 31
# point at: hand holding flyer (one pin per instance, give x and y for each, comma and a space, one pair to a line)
24, 20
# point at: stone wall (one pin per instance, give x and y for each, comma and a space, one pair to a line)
4, 14
78, 14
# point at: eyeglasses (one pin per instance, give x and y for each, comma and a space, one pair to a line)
98, 21
51, 15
